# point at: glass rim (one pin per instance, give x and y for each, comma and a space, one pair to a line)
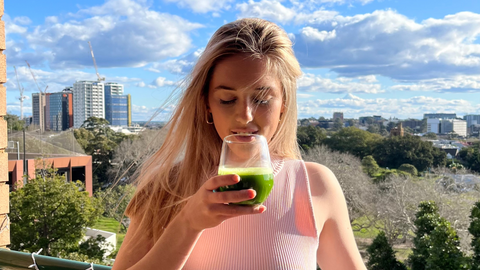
257, 136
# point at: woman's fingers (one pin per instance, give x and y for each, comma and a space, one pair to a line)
221, 181
233, 196
236, 210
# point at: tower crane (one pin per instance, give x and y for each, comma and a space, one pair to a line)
39, 89
22, 97
95, 64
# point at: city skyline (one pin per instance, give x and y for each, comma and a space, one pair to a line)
361, 57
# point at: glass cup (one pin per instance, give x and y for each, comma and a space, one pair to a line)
249, 157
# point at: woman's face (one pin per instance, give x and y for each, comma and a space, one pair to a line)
243, 98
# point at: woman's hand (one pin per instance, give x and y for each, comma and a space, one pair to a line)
206, 208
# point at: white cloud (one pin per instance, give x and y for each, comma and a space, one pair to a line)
312, 83
414, 107
23, 20
144, 113
182, 65
389, 44
122, 32
13, 26
203, 6
161, 81
456, 84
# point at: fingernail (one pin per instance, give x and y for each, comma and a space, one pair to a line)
260, 208
236, 178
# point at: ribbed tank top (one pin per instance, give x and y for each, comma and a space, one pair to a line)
283, 237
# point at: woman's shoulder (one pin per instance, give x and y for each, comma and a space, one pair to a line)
323, 182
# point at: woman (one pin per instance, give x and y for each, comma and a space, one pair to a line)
244, 82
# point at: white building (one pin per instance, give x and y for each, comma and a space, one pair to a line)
446, 126
88, 100
472, 120
114, 88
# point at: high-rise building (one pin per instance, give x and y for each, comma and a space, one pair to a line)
88, 101
472, 119
440, 115
338, 115
38, 110
60, 110
116, 105
446, 126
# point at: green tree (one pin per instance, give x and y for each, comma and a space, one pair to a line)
353, 140
436, 244
115, 200
374, 128
431, 136
391, 125
350, 123
381, 255
99, 141
394, 151
423, 127
471, 157
474, 230
337, 124
51, 213
409, 168
310, 136
370, 166
13, 122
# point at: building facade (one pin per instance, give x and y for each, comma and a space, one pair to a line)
446, 126
412, 123
472, 120
38, 110
60, 106
440, 115
116, 105
338, 115
88, 101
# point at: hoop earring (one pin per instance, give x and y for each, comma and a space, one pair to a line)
209, 122
280, 118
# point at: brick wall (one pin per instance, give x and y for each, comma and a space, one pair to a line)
4, 209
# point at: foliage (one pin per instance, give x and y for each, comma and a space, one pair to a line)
337, 124
370, 166
75, 256
430, 135
436, 244
51, 213
394, 151
353, 140
115, 200
99, 141
381, 255
13, 122
474, 230
310, 136
471, 157
409, 168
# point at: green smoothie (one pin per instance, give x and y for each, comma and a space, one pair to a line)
259, 179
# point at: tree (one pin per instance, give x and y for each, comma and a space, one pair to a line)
370, 166
51, 213
409, 169
13, 122
474, 230
337, 124
392, 152
99, 141
391, 125
436, 244
471, 157
431, 136
353, 140
115, 201
310, 136
381, 255
374, 128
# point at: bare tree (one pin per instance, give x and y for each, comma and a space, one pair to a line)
360, 192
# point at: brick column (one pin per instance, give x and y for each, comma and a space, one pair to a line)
4, 189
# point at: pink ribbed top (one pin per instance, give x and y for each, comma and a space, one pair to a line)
283, 237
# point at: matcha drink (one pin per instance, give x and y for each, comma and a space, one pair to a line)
257, 178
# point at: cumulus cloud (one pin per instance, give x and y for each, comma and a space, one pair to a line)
144, 113
316, 83
414, 107
456, 84
123, 33
182, 65
203, 6
390, 44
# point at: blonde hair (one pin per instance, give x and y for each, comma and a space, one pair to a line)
191, 150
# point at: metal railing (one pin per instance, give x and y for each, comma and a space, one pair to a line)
14, 260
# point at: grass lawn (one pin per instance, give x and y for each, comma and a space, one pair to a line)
110, 225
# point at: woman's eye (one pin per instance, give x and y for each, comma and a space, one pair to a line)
262, 101
227, 101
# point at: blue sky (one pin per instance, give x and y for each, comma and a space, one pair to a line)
395, 58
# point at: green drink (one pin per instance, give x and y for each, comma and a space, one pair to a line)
259, 179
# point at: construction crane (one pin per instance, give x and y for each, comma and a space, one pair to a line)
39, 89
22, 97
95, 64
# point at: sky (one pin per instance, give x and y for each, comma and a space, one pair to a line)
394, 58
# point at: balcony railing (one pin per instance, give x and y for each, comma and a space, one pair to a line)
14, 260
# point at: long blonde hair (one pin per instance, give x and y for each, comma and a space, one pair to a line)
191, 150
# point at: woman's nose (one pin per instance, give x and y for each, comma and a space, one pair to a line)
244, 113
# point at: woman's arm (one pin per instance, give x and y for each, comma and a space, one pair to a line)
337, 248
205, 209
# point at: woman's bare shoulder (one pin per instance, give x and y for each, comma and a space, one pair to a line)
322, 180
